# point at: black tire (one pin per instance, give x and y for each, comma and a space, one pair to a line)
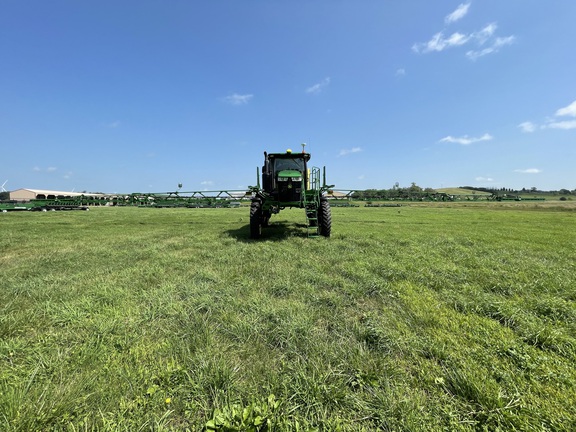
255, 219
325, 218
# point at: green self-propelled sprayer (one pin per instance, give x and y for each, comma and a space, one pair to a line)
288, 182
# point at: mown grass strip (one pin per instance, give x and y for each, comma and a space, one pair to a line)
412, 318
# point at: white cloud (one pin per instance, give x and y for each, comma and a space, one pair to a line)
495, 47
570, 110
555, 123
457, 39
440, 43
486, 33
238, 99
567, 124
528, 171
458, 14
50, 169
473, 55
113, 125
484, 179
485, 38
317, 88
207, 183
345, 152
466, 140
527, 127
503, 41
400, 72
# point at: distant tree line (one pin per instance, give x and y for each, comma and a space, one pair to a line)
521, 191
395, 193
415, 192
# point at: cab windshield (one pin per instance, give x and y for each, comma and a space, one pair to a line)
289, 164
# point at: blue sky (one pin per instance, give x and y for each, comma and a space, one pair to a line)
126, 96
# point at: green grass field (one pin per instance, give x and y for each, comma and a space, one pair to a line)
419, 318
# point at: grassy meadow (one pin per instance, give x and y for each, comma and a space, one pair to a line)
419, 318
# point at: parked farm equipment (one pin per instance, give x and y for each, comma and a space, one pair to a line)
46, 204
288, 182
195, 199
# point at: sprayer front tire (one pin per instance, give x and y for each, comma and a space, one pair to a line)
325, 218
255, 219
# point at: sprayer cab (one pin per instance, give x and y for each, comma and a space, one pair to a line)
285, 175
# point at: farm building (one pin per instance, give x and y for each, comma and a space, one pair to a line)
28, 194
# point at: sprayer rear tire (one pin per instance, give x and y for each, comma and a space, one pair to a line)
255, 219
325, 218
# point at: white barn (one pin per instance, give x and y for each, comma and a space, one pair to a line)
28, 194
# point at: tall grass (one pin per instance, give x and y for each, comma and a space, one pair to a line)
411, 318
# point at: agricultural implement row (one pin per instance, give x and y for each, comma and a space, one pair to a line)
43, 205
195, 199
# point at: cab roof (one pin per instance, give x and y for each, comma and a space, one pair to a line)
290, 155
